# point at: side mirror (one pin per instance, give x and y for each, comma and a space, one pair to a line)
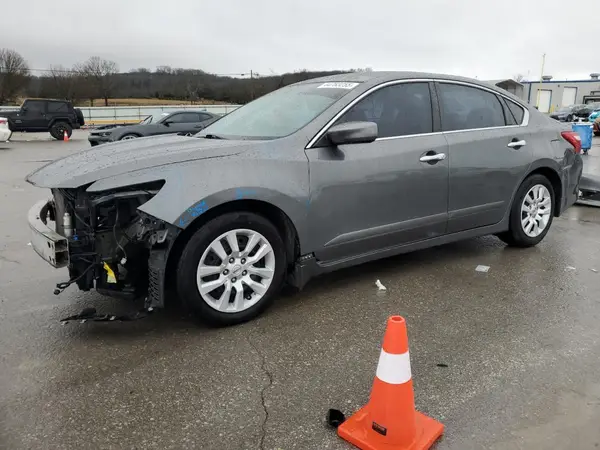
352, 133
24, 109
167, 123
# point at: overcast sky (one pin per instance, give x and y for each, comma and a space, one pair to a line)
475, 38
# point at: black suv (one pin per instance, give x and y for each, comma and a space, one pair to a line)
54, 116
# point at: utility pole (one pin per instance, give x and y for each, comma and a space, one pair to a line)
537, 102
251, 84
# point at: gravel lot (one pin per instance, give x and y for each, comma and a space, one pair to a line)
521, 342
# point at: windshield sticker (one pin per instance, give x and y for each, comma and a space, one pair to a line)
338, 86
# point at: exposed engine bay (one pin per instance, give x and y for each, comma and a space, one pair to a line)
112, 246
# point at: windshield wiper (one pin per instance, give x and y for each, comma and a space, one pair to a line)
212, 136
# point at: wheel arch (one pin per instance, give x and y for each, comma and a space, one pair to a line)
274, 214
55, 120
134, 133
556, 182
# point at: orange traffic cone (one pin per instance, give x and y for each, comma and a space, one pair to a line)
389, 421
65, 136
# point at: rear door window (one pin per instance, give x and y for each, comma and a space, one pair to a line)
517, 111
402, 109
468, 108
508, 115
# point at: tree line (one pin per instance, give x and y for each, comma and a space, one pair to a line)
98, 78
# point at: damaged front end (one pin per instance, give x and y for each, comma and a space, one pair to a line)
105, 241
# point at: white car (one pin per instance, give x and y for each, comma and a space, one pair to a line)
4, 130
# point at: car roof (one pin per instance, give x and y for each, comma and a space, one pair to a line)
374, 78
185, 110
382, 77
47, 99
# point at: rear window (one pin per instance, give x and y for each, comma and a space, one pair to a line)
57, 107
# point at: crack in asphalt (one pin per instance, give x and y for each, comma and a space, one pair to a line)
5, 259
269, 375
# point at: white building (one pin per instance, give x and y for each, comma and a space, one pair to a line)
550, 95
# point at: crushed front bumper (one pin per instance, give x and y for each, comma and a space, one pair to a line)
51, 246
95, 139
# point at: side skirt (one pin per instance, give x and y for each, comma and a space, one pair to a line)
308, 266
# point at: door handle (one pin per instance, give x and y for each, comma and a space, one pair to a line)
516, 144
433, 157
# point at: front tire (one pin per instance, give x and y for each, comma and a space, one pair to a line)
232, 268
531, 213
129, 136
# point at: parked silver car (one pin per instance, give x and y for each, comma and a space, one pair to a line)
316, 176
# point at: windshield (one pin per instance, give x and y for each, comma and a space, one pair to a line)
153, 118
279, 113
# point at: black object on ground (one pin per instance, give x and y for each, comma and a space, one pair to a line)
92, 315
335, 418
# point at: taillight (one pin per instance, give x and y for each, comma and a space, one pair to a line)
3, 121
574, 139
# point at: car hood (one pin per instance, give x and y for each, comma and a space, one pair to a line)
107, 127
122, 157
126, 127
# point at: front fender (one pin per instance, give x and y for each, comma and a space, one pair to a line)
294, 207
194, 187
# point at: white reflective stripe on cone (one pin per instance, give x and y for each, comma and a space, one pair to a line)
393, 369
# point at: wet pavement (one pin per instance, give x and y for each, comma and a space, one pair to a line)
521, 344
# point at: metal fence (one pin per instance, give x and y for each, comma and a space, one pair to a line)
100, 115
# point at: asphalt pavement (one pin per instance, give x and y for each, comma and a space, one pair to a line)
507, 359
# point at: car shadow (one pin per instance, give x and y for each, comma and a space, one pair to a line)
175, 319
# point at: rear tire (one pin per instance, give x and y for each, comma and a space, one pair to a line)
235, 297
523, 226
57, 130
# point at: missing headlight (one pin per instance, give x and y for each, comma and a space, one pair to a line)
143, 192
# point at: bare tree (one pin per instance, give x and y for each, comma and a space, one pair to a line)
14, 74
164, 70
65, 82
100, 74
518, 77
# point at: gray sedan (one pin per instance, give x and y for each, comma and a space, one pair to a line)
179, 122
314, 177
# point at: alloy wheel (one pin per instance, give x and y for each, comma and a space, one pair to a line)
236, 270
536, 210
